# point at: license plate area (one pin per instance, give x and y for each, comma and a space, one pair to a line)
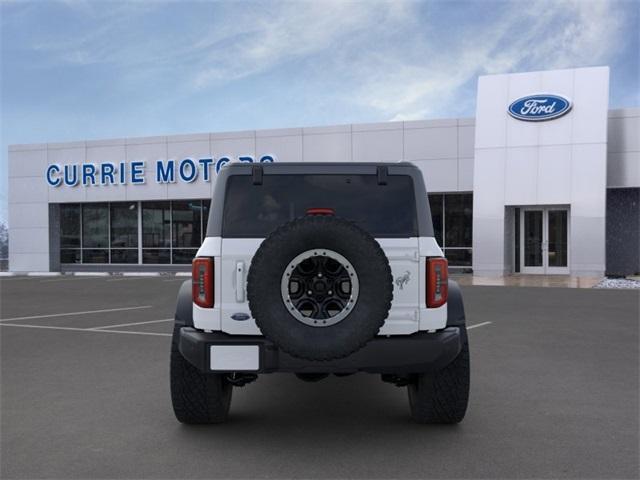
234, 358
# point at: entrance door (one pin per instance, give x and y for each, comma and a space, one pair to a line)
544, 240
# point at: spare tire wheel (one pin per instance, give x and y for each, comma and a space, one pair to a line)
319, 287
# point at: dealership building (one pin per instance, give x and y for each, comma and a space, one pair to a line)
544, 180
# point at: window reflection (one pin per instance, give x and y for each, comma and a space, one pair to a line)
437, 215
186, 224
95, 225
124, 225
452, 215
70, 226
171, 232
558, 238
156, 224
458, 217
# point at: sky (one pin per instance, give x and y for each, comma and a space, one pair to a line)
78, 70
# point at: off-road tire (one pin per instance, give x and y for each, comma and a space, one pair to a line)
359, 326
441, 397
197, 398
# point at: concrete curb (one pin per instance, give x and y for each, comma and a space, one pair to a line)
141, 274
95, 274
91, 274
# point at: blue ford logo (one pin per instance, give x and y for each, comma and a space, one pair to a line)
536, 108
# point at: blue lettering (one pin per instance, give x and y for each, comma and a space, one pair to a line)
206, 168
137, 172
246, 159
266, 159
123, 173
51, 169
88, 173
69, 180
222, 161
192, 169
165, 175
106, 172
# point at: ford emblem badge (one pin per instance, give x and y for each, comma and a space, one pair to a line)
537, 108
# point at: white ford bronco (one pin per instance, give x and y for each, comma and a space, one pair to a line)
319, 269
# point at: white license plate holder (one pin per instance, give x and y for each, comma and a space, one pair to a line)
234, 358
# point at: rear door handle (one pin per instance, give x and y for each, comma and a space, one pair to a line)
240, 281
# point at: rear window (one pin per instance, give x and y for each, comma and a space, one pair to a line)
382, 210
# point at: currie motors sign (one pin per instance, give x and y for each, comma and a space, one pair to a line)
540, 107
187, 170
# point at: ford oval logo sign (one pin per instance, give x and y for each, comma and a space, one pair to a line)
536, 108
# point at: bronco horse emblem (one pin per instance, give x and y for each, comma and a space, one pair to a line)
402, 280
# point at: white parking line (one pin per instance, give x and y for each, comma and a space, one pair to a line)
49, 327
132, 324
478, 325
72, 279
74, 313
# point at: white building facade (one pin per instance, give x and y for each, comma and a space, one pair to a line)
545, 179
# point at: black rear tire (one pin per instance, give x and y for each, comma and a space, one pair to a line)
197, 398
442, 397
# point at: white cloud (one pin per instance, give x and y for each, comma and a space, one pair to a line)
265, 39
389, 57
537, 35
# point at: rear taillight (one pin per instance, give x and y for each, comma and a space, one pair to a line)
202, 282
437, 282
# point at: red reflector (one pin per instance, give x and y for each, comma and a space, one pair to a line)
321, 211
437, 282
202, 282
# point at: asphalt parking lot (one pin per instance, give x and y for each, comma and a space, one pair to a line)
555, 386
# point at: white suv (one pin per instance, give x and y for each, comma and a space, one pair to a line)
314, 269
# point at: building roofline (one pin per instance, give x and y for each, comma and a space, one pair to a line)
304, 131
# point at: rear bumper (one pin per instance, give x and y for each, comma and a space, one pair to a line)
420, 352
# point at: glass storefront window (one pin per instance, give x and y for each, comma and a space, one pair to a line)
109, 233
70, 226
206, 206
95, 226
558, 238
452, 215
70, 255
186, 224
95, 256
187, 227
183, 255
127, 255
458, 220
156, 224
124, 225
156, 255
437, 216
458, 257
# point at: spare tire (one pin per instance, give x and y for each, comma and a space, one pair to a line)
319, 287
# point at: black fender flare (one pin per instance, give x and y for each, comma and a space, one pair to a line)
455, 306
184, 306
